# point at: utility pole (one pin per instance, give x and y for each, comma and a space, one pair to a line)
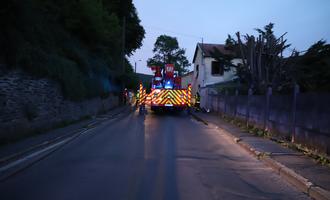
123, 97
135, 65
123, 44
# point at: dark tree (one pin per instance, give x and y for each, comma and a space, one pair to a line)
77, 43
312, 70
262, 64
167, 51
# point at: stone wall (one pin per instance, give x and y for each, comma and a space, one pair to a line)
29, 104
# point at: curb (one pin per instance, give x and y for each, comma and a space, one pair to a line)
300, 182
15, 156
9, 173
198, 118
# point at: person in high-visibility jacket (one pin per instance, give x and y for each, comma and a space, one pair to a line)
197, 100
137, 99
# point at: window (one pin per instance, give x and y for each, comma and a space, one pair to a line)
217, 68
197, 70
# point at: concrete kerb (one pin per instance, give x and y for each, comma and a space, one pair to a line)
198, 118
319, 193
20, 154
20, 168
300, 182
44, 144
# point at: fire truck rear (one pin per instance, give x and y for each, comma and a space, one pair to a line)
166, 92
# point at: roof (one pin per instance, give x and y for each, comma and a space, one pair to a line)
144, 77
209, 48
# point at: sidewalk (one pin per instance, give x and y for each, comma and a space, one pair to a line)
295, 167
37, 141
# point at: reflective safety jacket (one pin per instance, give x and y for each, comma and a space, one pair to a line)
197, 98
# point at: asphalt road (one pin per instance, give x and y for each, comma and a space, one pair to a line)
167, 156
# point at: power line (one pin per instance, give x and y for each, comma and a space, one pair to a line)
175, 32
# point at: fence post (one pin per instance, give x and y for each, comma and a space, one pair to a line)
217, 104
212, 103
294, 111
207, 103
236, 98
248, 107
226, 94
266, 114
209, 99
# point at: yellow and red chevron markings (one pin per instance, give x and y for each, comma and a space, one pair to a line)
142, 95
189, 95
161, 97
174, 97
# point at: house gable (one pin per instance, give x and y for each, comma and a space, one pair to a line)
207, 50
205, 66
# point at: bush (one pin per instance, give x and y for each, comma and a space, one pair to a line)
69, 76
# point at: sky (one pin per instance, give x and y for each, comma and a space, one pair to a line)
192, 21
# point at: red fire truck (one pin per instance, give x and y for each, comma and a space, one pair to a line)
166, 92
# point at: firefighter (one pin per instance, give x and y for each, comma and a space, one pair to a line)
197, 101
137, 99
125, 96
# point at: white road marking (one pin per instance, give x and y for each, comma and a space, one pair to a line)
21, 160
34, 154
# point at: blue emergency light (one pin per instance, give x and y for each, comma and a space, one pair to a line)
168, 84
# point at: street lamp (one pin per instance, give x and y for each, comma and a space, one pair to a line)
135, 65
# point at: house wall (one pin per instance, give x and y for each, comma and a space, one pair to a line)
198, 75
186, 80
212, 79
205, 76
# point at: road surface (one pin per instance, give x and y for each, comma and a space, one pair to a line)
164, 156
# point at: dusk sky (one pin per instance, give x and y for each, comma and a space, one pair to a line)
306, 22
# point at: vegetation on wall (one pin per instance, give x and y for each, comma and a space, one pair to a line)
77, 43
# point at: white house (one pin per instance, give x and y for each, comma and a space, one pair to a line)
207, 70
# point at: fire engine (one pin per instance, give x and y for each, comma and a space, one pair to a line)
166, 91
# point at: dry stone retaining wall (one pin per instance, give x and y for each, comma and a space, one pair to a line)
29, 104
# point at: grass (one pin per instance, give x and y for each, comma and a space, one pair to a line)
319, 157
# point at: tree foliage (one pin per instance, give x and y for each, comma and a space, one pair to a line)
166, 50
262, 64
78, 40
312, 70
